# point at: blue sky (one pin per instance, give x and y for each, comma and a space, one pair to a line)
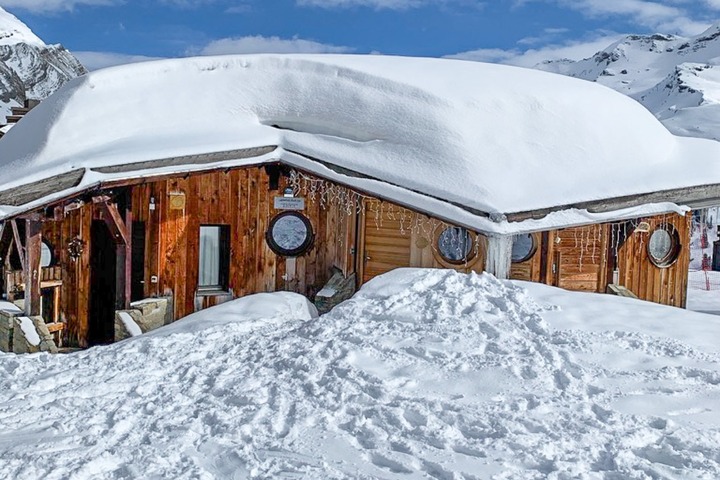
105, 32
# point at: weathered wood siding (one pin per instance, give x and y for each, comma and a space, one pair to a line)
577, 258
393, 237
76, 287
649, 282
531, 269
242, 200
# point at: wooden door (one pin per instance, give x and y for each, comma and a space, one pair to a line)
384, 244
137, 289
579, 258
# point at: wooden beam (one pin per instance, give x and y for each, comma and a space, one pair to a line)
114, 221
33, 247
127, 261
18, 243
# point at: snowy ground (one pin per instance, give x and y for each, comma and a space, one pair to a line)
424, 374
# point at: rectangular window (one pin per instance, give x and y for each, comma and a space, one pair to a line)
214, 254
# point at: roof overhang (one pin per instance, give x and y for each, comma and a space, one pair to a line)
22, 199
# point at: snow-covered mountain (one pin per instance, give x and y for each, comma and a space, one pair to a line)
676, 78
30, 69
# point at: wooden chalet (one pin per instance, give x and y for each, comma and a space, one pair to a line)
87, 239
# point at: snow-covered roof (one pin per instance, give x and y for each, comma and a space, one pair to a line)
463, 140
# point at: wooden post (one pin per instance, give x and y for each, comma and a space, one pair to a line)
33, 245
127, 266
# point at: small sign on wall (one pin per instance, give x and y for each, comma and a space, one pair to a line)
289, 203
177, 200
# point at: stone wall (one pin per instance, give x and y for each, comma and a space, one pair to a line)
7, 320
147, 315
31, 335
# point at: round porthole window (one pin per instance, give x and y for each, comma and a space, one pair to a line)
455, 245
663, 248
290, 234
523, 248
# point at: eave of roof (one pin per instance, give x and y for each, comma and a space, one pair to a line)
21, 200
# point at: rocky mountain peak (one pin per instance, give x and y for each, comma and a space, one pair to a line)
676, 78
29, 68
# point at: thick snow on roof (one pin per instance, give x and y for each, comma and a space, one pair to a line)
493, 138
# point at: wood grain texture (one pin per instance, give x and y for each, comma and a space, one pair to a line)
242, 200
391, 237
666, 285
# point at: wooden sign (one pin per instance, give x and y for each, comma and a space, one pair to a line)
289, 203
177, 200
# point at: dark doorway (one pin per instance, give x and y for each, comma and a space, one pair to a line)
103, 285
137, 289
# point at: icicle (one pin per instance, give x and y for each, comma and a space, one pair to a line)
499, 253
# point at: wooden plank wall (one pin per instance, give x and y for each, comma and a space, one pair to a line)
578, 256
241, 199
75, 289
649, 282
529, 270
395, 237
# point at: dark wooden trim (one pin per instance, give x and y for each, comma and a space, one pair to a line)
694, 197
544, 246
200, 159
127, 267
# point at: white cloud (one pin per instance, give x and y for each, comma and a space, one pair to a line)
260, 44
573, 50
665, 18
98, 60
378, 4
41, 6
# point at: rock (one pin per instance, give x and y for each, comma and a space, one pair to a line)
336, 290
31, 335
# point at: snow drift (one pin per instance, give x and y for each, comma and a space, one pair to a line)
423, 374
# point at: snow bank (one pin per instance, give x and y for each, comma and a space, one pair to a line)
246, 313
423, 374
463, 132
